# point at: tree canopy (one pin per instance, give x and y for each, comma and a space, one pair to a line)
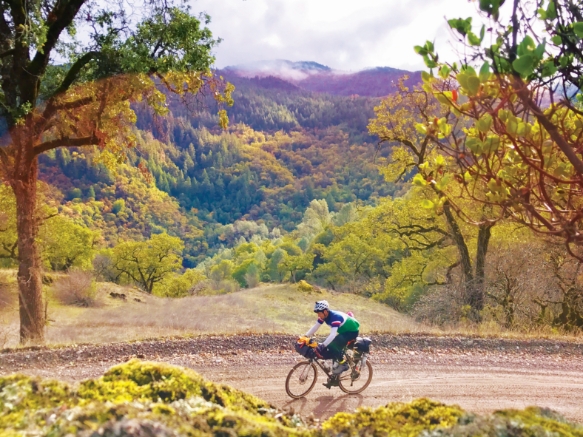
520, 90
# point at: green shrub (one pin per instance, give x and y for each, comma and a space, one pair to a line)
179, 285
304, 287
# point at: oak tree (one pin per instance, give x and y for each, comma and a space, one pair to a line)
69, 72
417, 127
147, 263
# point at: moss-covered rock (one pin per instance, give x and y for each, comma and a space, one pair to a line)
395, 419
145, 399
426, 418
137, 398
531, 422
138, 380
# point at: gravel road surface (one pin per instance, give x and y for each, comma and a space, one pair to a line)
480, 375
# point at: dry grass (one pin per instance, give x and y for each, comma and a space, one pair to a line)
273, 308
8, 307
77, 288
267, 308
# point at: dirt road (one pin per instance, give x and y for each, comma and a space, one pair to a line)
479, 375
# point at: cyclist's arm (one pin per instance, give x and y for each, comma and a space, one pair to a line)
333, 333
313, 329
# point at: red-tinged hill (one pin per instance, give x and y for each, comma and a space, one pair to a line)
314, 77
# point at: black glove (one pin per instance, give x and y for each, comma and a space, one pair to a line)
320, 350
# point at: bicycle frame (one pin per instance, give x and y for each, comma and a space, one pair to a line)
361, 362
308, 373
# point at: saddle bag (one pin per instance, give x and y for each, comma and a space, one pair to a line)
362, 344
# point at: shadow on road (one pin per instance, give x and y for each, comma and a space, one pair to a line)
325, 406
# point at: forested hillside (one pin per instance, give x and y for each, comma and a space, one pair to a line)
284, 148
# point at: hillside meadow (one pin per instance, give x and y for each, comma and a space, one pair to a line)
279, 308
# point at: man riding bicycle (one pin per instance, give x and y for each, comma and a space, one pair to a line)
343, 329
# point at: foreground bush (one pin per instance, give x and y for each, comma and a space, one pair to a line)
144, 399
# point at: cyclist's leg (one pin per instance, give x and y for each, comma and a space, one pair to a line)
337, 346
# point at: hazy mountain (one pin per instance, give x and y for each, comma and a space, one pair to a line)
311, 76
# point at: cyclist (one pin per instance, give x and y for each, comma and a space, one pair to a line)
343, 328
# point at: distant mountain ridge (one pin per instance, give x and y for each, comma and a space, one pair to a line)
315, 77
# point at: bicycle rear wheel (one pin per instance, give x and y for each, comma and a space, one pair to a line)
354, 384
301, 379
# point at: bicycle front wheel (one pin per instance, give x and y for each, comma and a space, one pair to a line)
301, 379
353, 383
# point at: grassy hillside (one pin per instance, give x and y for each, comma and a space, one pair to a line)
271, 308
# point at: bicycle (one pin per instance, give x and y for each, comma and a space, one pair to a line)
303, 376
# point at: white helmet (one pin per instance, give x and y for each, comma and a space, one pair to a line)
321, 305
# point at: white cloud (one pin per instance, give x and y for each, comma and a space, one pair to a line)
345, 35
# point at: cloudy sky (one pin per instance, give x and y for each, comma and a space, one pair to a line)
347, 35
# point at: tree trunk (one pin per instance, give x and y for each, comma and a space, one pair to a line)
458, 238
473, 281
32, 317
476, 292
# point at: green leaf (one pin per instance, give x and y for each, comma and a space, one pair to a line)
524, 65
443, 182
540, 51
461, 25
470, 70
475, 145
427, 204
419, 180
444, 72
421, 128
430, 63
491, 7
578, 29
526, 46
426, 76
551, 11
439, 161
491, 144
462, 79
523, 129
473, 85
484, 123
473, 39
511, 126
557, 40
548, 68
485, 72
420, 50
